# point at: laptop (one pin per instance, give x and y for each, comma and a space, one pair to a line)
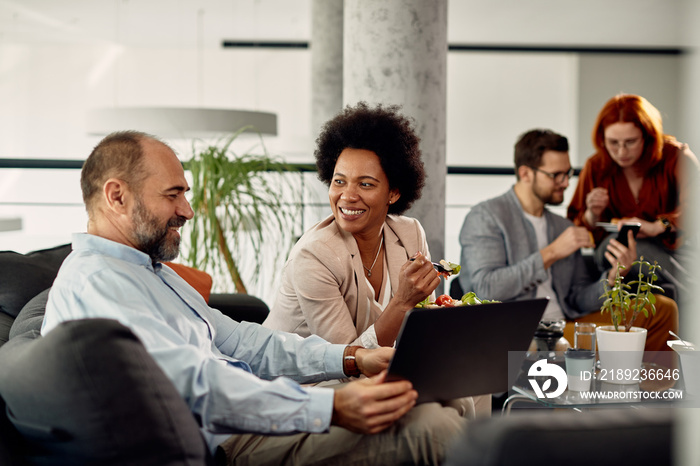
452, 352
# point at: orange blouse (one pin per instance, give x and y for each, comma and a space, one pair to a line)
664, 191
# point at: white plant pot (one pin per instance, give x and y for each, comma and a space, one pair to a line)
621, 354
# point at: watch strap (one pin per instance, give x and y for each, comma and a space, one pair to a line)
350, 366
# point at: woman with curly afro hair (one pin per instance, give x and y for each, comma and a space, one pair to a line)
349, 278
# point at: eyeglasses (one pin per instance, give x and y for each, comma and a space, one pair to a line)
558, 177
615, 145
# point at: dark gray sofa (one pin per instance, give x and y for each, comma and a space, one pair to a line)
87, 393
598, 437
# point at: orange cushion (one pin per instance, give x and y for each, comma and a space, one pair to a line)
200, 281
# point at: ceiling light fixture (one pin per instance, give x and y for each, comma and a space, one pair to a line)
10, 224
181, 122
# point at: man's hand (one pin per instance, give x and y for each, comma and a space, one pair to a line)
571, 240
373, 361
616, 252
369, 406
596, 202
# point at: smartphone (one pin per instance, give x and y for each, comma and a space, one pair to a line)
622, 234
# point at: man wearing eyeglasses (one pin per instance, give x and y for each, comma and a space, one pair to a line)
514, 248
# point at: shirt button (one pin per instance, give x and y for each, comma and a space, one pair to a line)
273, 427
317, 422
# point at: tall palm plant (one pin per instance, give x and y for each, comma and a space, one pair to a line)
240, 212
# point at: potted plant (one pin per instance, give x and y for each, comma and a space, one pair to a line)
621, 345
245, 205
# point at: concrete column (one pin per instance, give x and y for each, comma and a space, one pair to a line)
395, 52
326, 62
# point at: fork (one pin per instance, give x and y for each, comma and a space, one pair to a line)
437, 266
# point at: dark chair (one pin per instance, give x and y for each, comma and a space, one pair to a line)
456, 291
600, 437
240, 306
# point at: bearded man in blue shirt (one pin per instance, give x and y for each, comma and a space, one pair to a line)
237, 377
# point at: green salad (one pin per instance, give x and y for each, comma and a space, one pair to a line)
468, 299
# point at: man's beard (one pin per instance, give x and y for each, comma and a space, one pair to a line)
151, 238
554, 197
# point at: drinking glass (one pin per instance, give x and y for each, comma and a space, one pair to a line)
584, 336
579, 369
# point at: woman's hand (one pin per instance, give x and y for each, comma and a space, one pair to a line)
647, 230
417, 279
616, 252
596, 202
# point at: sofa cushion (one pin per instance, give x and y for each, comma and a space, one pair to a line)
199, 280
5, 326
89, 393
23, 276
29, 320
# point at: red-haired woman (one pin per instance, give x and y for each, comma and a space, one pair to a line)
638, 174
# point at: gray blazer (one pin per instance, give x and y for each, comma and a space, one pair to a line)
501, 260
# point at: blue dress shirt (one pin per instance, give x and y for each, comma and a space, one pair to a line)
237, 377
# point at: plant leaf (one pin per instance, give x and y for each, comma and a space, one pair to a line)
245, 205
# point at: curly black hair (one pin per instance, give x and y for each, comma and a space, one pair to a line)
387, 133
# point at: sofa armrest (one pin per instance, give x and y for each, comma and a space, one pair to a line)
89, 393
240, 307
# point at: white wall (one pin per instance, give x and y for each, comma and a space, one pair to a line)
565, 22
494, 97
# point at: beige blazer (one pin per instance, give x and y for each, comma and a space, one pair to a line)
323, 290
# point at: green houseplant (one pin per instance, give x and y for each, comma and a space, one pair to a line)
621, 345
622, 297
245, 209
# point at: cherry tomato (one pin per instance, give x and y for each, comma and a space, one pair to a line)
445, 300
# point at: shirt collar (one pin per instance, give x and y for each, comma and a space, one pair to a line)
88, 242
